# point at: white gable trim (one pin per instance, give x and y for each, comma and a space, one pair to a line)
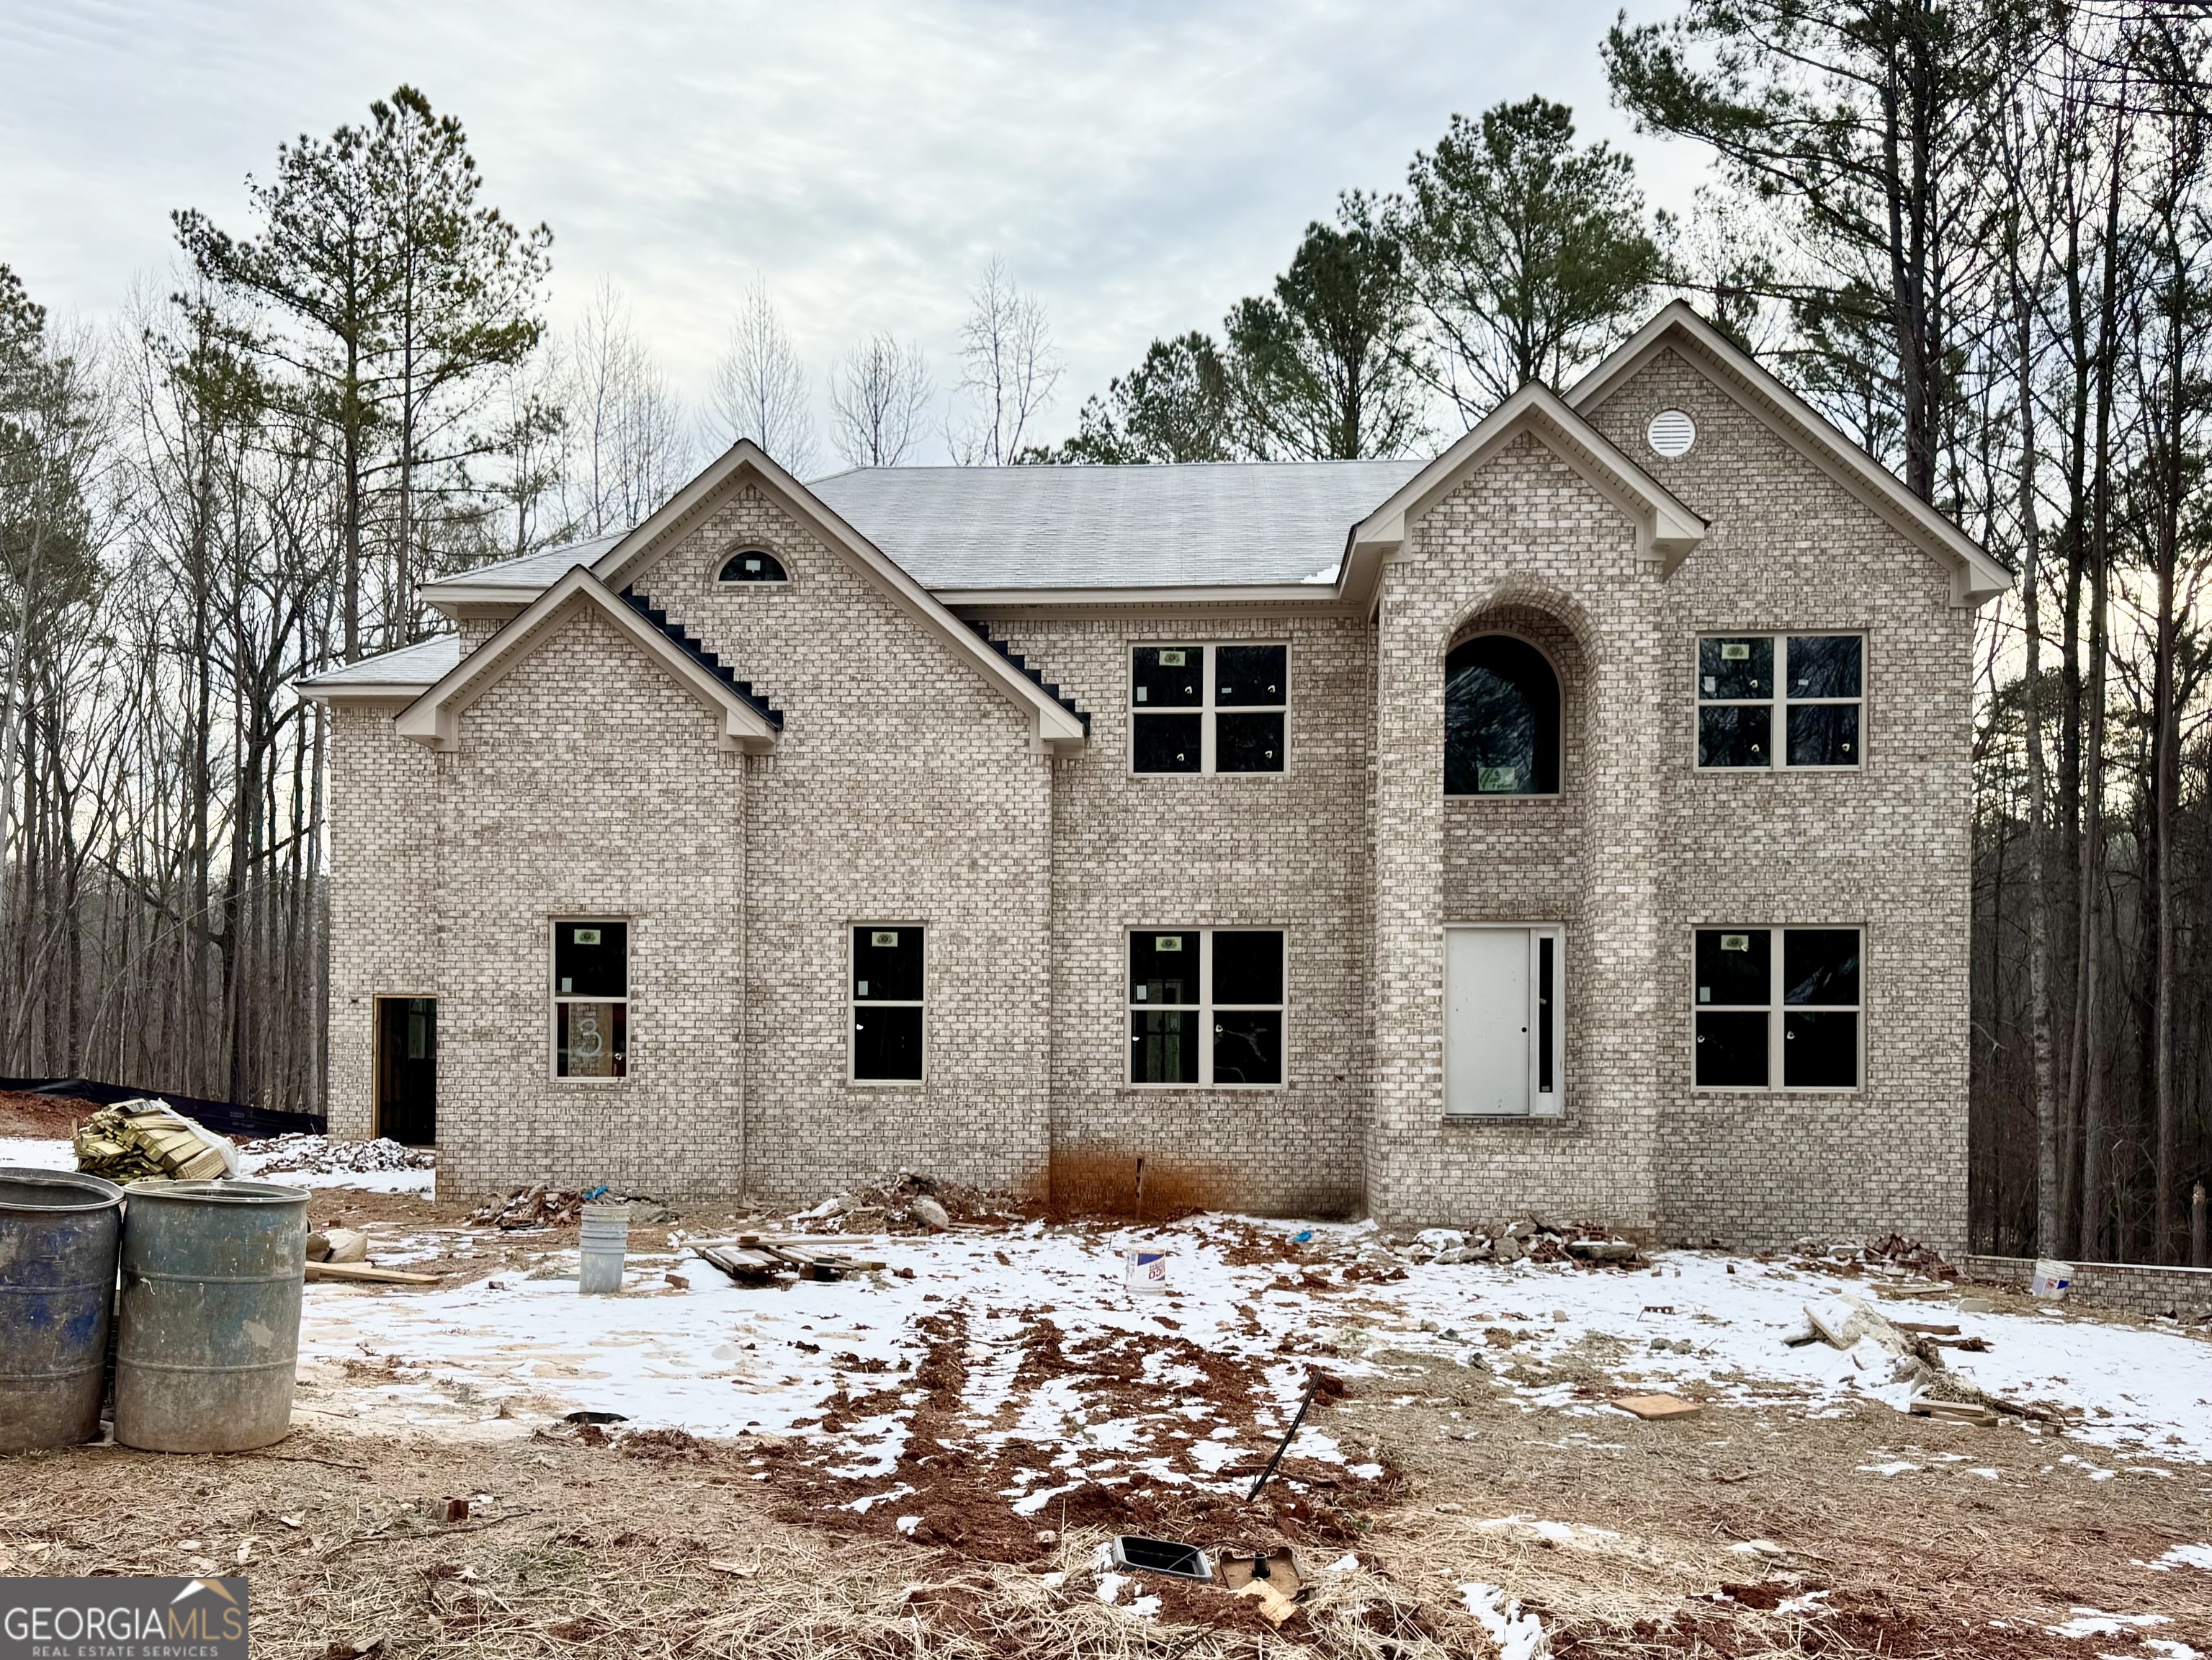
1051, 728
434, 719
1666, 530
1975, 575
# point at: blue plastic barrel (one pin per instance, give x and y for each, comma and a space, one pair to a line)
58, 1234
213, 1273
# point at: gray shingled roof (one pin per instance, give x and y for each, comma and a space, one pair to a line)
422, 664
1232, 523
1228, 524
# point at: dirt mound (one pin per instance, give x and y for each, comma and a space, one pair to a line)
41, 1117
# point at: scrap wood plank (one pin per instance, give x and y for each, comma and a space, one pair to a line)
375, 1276
741, 1265
1654, 1406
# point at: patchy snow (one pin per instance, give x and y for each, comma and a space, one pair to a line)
26, 1154
2095, 1623
2182, 1556
1518, 1636
719, 1359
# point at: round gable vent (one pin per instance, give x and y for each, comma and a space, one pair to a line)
1671, 433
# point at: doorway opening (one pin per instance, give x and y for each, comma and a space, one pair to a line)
1504, 1028
407, 1070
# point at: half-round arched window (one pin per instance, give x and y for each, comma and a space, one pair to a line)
1501, 719
754, 565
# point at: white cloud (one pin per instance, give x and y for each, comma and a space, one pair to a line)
1138, 166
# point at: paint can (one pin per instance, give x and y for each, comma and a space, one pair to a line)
605, 1241
2050, 1279
1144, 1271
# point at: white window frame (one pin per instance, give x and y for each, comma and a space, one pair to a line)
1205, 1009
1539, 1109
1207, 708
554, 925
854, 1005
1778, 706
1775, 1010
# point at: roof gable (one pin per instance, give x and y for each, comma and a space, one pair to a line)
1666, 529
1053, 726
1975, 575
432, 720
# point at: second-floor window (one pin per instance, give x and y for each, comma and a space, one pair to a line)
1208, 708
1781, 700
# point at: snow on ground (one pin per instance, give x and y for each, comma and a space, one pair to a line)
26, 1154
57, 1155
717, 1358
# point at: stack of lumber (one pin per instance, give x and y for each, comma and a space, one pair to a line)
753, 1259
141, 1140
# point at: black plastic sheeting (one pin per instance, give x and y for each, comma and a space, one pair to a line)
223, 1117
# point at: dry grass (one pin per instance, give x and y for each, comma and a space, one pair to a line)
586, 1550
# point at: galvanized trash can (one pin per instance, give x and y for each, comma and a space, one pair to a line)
210, 1334
59, 1233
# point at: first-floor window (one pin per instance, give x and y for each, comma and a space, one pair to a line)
1777, 1008
1206, 1006
888, 999
591, 999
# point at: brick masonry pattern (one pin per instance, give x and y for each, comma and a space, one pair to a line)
904, 790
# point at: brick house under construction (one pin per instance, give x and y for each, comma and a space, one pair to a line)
1577, 822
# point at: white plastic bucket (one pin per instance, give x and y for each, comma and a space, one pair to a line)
1144, 1271
2050, 1279
605, 1241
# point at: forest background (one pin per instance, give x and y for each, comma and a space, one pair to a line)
1974, 234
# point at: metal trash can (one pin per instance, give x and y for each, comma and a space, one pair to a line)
210, 1335
59, 1237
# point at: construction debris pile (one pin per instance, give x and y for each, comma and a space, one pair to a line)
320, 1155
1533, 1238
537, 1207
146, 1139
910, 1204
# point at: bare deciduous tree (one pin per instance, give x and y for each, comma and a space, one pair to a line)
759, 389
628, 449
1008, 370
878, 401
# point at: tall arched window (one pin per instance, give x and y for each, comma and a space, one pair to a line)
1501, 720
754, 565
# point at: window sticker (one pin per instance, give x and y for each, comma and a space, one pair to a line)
1171, 660
1735, 942
587, 936
1735, 651
1167, 942
1501, 780
863, 988
884, 937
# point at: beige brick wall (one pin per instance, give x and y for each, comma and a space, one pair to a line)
903, 790
1525, 542
1253, 850
1885, 848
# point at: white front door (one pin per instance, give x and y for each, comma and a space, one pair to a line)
1501, 1021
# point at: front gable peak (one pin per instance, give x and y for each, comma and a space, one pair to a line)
1666, 529
749, 726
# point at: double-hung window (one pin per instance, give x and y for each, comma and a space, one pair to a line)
1208, 708
1778, 1007
888, 999
591, 999
1781, 700
1206, 1006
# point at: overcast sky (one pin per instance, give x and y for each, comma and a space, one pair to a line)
1139, 167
